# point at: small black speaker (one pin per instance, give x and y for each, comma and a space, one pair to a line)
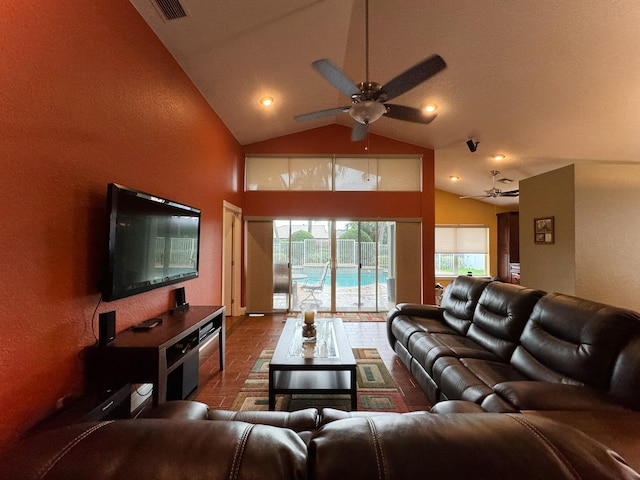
181, 298
107, 328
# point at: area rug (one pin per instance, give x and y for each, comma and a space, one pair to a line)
376, 388
349, 316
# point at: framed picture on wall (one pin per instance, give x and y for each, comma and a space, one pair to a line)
543, 230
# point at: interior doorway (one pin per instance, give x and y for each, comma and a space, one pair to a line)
231, 259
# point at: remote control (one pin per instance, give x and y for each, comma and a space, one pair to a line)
148, 324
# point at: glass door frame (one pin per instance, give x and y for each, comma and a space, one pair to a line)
313, 262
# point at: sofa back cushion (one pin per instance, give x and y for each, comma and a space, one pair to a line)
455, 446
159, 449
625, 383
459, 301
572, 340
500, 316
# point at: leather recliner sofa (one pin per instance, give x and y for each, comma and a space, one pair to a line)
509, 348
195, 443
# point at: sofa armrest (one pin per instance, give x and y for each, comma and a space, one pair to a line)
456, 406
535, 395
411, 310
330, 415
178, 410
420, 310
298, 421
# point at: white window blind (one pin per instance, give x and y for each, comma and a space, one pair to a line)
462, 240
461, 250
333, 173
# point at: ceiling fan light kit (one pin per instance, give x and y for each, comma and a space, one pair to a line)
367, 112
367, 98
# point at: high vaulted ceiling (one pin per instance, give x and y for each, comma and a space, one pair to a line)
546, 83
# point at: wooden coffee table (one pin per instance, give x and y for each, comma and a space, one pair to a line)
327, 367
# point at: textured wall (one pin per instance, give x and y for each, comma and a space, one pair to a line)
89, 96
608, 233
595, 254
549, 267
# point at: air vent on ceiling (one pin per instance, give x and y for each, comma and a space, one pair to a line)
171, 9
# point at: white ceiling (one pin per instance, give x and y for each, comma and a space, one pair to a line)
545, 82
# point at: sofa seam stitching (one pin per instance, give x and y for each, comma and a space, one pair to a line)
239, 452
75, 441
524, 422
377, 447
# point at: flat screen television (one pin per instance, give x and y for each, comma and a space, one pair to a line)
152, 242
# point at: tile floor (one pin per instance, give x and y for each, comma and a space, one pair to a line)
248, 336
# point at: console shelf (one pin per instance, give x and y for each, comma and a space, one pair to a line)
165, 355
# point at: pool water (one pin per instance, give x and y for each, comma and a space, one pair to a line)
346, 277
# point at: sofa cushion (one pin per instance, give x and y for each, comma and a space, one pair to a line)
298, 421
428, 348
454, 446
471, 379
459, 301
160, 449
574, 338
534, 395
500, 316
332, 414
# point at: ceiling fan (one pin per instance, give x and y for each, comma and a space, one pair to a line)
494, 192
368, 98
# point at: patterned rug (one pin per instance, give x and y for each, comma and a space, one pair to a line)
349, 316
376, 388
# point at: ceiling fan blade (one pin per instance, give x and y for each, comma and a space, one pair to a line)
413, 77
510, 193
477, 196
335, 77
330, 112
359, 131
409, 114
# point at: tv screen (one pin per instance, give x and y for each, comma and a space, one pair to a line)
152, 242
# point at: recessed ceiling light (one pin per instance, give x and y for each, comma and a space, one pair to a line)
266, 101
454, 178
499, 157
431, 108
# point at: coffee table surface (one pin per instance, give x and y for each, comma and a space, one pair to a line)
331, 346
326, 367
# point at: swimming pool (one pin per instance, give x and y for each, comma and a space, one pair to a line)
346, 277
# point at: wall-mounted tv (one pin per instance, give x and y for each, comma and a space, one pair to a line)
152, 242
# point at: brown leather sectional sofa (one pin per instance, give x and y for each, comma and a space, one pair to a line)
509, 348
526, 385
187, 441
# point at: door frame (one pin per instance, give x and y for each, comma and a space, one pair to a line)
232, 259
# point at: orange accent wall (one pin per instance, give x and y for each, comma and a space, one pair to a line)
90, 96
335, 139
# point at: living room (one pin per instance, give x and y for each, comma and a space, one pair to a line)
92, 97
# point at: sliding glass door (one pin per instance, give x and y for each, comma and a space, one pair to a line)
345, 266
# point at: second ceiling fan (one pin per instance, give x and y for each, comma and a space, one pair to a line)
368, 99
494, 192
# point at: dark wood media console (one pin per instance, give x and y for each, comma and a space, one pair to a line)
165, 355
